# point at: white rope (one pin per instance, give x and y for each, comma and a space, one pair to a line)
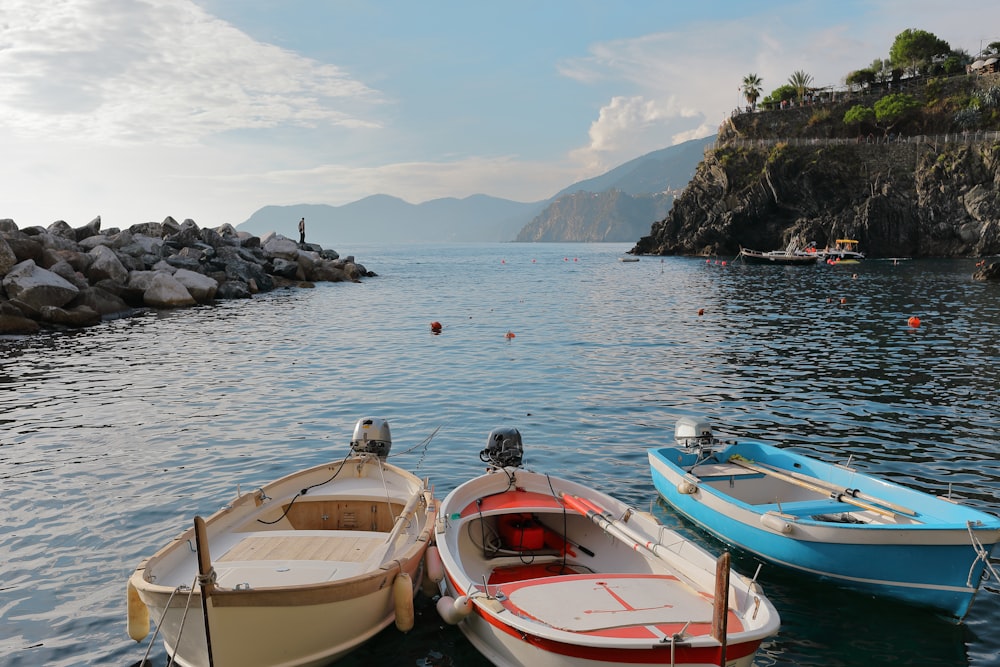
981, 553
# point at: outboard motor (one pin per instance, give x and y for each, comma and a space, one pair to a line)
371, 436
693, 433
503, 448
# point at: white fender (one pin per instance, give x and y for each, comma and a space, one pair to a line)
452, 611
435, 568
138, 614
776, 522
402, 597
686, 487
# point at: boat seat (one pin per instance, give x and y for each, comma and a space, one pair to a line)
809, 507
711, 471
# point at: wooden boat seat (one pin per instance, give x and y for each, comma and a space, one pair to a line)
609, 604
294, 557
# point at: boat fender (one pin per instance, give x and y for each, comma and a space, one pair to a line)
453, 611
776, 523
138, 614
402, 597
435, 568
685, 487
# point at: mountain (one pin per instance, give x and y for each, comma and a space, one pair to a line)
380, 217
668, 169
632, 197
597, 217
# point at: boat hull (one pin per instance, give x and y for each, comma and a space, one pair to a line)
582, 598
928, 559
300, 579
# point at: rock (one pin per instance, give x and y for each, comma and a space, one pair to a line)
7, 257
165, 291
988, 272
38, 287
80, 316
279, 246
233, 289
106, 264
101, 301
199, 286
13, 321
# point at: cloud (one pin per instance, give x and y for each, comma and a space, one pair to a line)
158, 71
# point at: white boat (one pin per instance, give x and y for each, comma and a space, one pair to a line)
299, 572
828, 520
540, 571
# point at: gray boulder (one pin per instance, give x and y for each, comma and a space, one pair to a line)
38, 287
166, 292
106, 265
199, 286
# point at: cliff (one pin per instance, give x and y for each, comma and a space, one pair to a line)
923, 187
898, 199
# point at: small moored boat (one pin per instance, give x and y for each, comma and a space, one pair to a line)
299, 572
539, 570
829, 520
779, 257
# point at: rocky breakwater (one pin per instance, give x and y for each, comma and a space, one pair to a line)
65, 277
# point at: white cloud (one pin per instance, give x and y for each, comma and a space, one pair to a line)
158, 71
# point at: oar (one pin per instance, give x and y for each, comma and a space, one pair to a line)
837, 494
408, 510
854, 493
620, 531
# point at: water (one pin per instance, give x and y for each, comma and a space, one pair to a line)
114, 437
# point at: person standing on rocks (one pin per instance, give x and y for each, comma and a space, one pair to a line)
302, 230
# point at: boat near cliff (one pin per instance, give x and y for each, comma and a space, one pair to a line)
297, 573
844, 251
778, 257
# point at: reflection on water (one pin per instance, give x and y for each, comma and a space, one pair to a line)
114, 437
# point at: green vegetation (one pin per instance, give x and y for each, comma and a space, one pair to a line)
921, 88
752, 89
800, 81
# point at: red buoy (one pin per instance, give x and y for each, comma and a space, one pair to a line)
914, 321
436, 327
509, 335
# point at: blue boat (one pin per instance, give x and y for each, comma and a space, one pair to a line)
828, 520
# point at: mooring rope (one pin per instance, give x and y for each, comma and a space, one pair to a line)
981, 553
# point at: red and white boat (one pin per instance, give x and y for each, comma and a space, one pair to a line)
541, 571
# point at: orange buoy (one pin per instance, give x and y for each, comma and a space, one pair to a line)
843, 300
701, 311
509, 335
436, 327
914, 321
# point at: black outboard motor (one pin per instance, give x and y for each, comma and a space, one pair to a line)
503, 448
371, 436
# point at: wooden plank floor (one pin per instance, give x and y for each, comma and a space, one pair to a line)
351, 549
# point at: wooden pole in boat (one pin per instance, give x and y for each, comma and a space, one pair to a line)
206, 577
854, 493
839, 494
720, 611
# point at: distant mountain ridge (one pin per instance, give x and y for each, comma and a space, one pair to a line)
633, 196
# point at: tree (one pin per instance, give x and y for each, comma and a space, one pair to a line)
892, 110
779, 95
862, 78
915, 48
752, 89
800, 81
860, 116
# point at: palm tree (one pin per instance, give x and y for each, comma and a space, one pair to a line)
751, 89
800, 81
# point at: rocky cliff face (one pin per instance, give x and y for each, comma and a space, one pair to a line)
898, 199
596, 217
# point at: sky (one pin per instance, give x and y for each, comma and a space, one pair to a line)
135, 110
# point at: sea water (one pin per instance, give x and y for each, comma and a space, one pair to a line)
114, 437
